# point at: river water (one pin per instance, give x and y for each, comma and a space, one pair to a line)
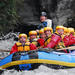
41, 70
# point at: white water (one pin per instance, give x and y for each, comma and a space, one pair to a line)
42, 70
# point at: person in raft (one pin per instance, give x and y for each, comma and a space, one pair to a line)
56, 40
42, 38
22, 45
48, 32
33, 37
45, 22
69, 39
71, 36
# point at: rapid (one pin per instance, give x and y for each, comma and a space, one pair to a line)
42, 70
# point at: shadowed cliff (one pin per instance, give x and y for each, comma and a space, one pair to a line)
23, 15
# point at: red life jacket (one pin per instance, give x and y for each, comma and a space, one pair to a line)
66, 40
40, 42
55, 39
71, 39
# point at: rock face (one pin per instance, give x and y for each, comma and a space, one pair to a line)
29, 10
60, 11
65, 12
27, 13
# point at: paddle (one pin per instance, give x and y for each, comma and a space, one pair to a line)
4, 50
46, 49
71, 48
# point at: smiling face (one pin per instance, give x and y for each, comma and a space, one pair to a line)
22, 39
48, 33
32, 37
42, 18
43, 36
60, 31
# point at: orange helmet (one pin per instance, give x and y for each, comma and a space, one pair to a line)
60, 27
32, 33
48, 28
41, 31
71, 30
22, 35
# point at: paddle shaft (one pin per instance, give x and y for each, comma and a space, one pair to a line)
4, 50
71, 48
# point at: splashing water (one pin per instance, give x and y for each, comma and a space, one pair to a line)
42, 70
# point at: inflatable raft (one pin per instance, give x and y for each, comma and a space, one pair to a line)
32, 59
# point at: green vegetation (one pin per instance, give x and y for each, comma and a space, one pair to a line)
8, 15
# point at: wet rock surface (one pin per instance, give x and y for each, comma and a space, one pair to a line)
27, 13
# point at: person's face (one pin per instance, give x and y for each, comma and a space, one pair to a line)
32, 37
42, 18
22, 39
48, 33
60, 31
43, 35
